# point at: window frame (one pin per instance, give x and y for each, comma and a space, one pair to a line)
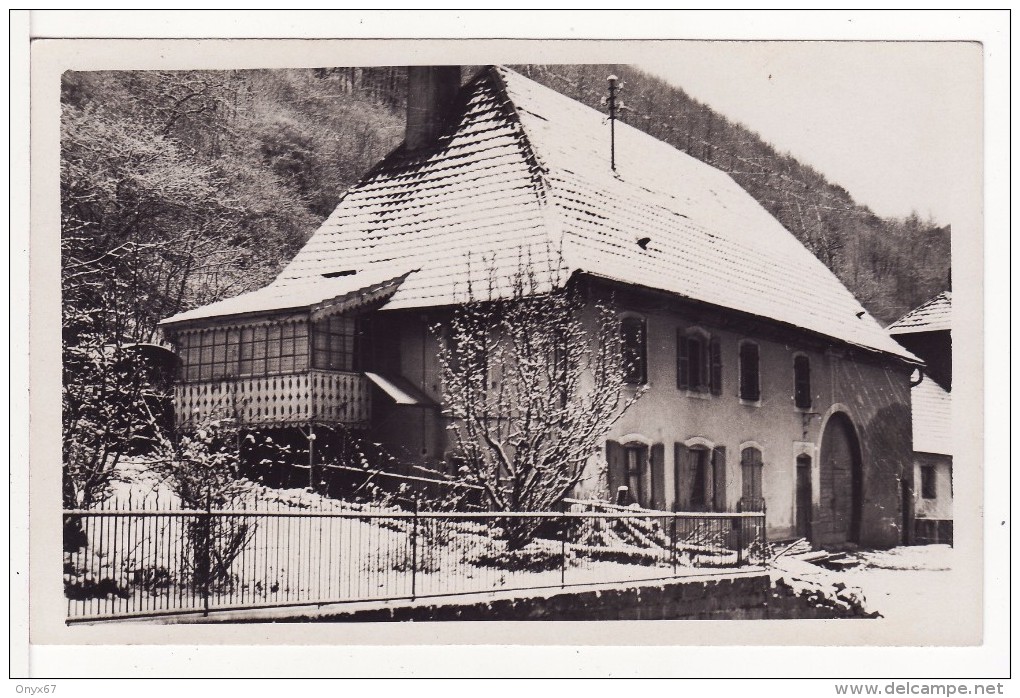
637, 472
708, 380
752, 476
230, 352
336, 343
929, 481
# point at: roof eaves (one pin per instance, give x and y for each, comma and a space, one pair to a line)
902, 355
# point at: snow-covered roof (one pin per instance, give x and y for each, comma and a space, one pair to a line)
523, 177
934, 315
931, 409
323, 293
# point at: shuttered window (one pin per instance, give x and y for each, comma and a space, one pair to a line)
700, 479
751, 467
698, 363
750, 383
802, 382
637, 483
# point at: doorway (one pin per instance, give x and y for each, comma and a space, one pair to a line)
803, 497
838, 519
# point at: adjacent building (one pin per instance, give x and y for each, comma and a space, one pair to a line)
926, 331
769, 387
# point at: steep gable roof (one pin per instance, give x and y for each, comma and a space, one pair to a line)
522, 177
932, 316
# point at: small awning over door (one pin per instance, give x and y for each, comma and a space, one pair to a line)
400, 390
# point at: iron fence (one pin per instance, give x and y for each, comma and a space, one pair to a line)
141, 562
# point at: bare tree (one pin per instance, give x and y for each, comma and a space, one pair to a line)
533, 380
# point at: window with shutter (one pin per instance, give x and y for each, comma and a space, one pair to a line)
698, 478
681, 478
682, 361
637, 476
657, 493
750, 386
616, 475
695, 349
802, 382
751, 475
703, 479
698, 362
719, 478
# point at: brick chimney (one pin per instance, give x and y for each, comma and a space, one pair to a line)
430, 93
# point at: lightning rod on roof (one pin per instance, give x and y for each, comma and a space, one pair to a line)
612, 121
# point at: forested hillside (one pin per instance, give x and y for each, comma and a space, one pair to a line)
178, 188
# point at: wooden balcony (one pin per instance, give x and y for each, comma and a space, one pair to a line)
337, 397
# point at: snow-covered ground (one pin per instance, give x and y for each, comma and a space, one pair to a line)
343, 552
910, 584
287, 559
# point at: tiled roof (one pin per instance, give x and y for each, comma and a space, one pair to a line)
931, 407
935, 315
523, 176
321, 293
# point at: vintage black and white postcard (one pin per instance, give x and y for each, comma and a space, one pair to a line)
410, 341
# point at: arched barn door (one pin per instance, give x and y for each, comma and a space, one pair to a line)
839, 509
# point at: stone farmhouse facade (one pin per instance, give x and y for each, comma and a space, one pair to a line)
768, 385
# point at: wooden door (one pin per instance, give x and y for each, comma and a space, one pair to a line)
803, 497
840, 483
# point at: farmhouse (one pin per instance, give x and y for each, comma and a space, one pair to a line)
926, 332
768, 385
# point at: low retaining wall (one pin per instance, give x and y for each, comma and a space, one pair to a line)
733, 596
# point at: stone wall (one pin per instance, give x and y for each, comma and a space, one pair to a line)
748, 596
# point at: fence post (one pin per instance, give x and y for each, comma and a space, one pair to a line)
740, 542
761, 536
672, 544
208, 554
563, 546
414, 550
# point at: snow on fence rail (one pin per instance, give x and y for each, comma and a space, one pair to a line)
149, 562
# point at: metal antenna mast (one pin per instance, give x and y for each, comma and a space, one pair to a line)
612, 121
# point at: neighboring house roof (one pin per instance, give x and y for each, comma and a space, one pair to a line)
931, 408
932, 316
523, 177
